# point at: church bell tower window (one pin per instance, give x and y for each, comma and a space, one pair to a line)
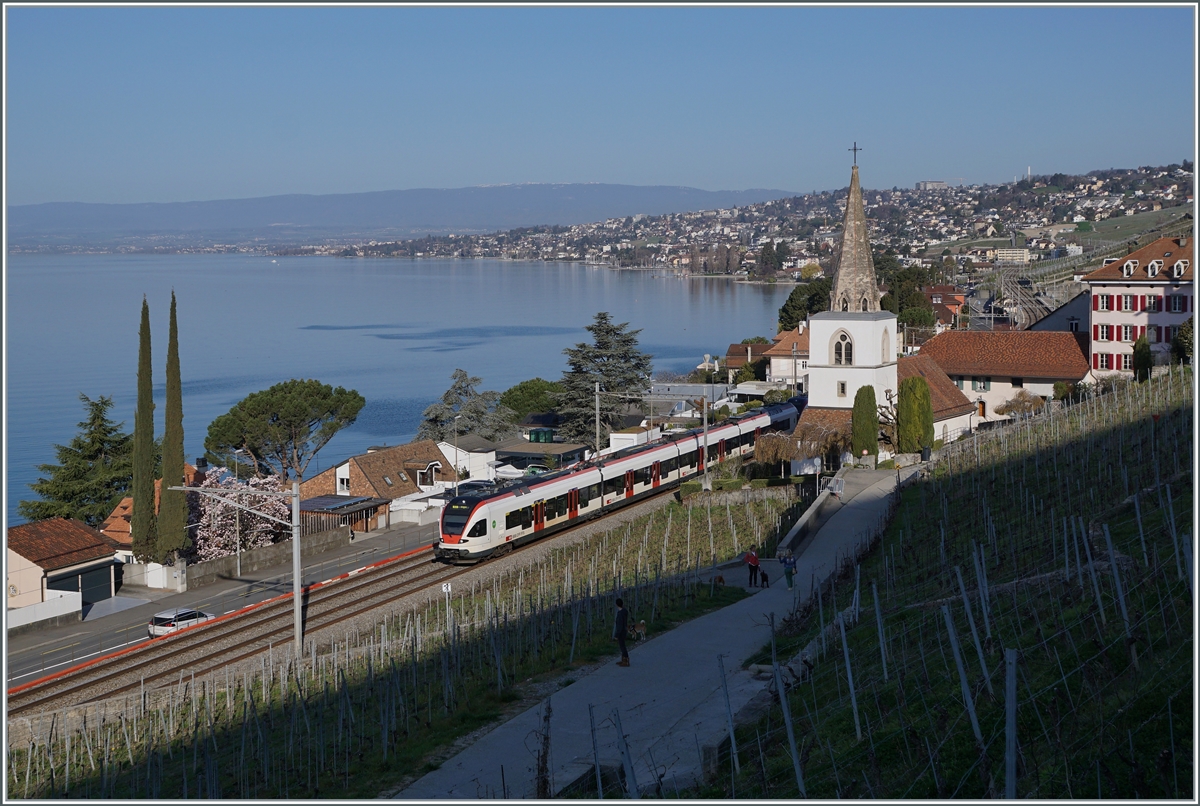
845, 305
843, 350
864, 304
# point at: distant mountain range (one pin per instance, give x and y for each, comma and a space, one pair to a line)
389, 214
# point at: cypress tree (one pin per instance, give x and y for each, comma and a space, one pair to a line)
1143, 359
172, 512
142, 520
925, 409
910, 429
864, 422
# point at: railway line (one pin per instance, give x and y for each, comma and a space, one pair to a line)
246, 633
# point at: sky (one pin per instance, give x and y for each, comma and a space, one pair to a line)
160, 104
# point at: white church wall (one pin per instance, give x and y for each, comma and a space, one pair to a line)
872, 336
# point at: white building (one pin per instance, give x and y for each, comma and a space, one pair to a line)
1150, 293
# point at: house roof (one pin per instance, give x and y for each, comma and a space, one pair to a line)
1168, 250
947, 399
116, 525
782, 348
1047, 354
521, 447
57, 543
828, 419
735, 356
473, 443
399, 465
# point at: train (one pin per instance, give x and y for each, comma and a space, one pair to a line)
490, 522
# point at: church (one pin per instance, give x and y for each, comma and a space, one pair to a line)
854, 344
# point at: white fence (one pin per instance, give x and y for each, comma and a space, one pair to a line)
58, 603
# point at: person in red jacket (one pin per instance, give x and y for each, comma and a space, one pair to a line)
751, 559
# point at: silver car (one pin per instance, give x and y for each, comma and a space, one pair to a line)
169, 621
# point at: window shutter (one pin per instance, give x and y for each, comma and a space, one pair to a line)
1112, 302
1142, 332
1095, 302
1095, 332
1162, 303
987, 384
1095, 360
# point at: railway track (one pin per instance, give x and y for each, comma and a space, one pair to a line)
232, 638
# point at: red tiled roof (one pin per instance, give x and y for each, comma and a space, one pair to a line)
116, 526
735, 356
1017, 353
947, 399
59, 543
1168, 250
828, 419
782, 348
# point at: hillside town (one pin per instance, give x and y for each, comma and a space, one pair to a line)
906, 221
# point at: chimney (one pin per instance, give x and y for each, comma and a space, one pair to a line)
1183, 241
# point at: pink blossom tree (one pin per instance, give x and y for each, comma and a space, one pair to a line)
218, 522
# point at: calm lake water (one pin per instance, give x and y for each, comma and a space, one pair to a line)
394, 330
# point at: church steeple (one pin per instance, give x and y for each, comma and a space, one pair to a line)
854, 287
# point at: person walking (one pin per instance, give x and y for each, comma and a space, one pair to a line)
620, 629
752, 561
789, 568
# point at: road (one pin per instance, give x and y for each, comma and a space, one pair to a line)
44, 651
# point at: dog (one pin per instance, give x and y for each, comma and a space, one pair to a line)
719, 581
637, 632
762, 578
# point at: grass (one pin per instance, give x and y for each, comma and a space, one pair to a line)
1125, 227
1097, 715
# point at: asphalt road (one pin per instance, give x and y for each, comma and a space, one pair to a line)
42, 652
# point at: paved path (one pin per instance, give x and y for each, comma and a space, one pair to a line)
671, 704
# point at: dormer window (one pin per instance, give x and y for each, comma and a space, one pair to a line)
1179, 268
1153, 267
1128, 268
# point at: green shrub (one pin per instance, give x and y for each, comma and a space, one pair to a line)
914, 415
865, 423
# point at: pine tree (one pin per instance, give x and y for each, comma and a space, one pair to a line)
865, 422
142, 520
479, 413
173, 508
93, 472
612, 360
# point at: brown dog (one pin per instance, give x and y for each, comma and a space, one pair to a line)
719, 581
637, 632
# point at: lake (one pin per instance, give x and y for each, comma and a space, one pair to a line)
394, 330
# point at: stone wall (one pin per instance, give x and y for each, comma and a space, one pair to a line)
205, 573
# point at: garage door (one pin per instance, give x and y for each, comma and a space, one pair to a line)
97, 585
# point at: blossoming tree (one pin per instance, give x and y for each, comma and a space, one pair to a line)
219, 522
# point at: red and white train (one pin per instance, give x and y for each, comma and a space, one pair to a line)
491, 522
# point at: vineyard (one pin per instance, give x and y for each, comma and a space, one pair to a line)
1024, 625
363, 712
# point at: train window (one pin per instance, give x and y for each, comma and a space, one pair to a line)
689, 459
593, 491
513, 519
641, 475
526, 517
557, 508
614, 485
583, 496
479, 529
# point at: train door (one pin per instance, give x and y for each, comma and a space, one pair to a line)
702, 455
539, 516
721, 451
573, 504
655, 471
629, 484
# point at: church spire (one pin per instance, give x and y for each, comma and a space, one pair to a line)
854, 287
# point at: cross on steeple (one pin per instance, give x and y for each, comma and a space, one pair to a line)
856, 149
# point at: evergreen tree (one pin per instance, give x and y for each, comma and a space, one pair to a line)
173, 508
142, 521
766, 258
612, 360
529, 397
93, 472
913, 408
1182, 344
1143, 360
864, 422
805, 299
480, 413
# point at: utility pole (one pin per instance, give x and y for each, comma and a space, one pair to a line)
228, 497
597, 418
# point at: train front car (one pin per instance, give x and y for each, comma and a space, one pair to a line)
464, 530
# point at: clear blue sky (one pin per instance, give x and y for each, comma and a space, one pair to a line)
176, 103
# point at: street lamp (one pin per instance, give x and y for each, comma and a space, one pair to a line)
457, 417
